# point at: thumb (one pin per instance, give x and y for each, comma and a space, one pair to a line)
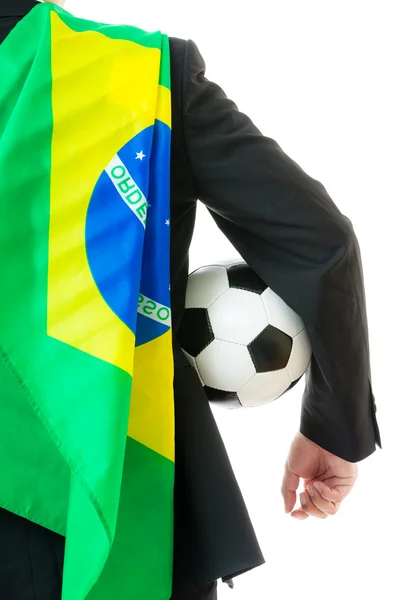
289, 487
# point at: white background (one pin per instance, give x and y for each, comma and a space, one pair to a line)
320, 78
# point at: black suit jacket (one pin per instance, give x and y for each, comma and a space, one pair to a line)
287, 228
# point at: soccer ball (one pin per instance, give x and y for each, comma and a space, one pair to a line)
247, 345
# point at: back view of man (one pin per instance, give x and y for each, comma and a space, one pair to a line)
292, 234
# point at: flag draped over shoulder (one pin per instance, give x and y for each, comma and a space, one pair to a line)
86, 367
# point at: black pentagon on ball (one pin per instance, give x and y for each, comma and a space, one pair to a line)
270, 350
195, 332
242, 277
228, 399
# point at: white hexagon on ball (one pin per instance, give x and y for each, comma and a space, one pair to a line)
225, 366
237, 316
192, 362
280, 315
264, 388
205, 285
300, 355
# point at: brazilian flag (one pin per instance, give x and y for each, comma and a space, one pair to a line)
86, 367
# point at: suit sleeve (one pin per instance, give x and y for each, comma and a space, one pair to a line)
291, 233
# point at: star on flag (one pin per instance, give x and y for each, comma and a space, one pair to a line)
140, 155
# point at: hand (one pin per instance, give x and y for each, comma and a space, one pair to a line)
331, 479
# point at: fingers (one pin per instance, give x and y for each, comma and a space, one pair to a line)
310, 508
328, 493
322, 502
319, 504
300, 515
289, 486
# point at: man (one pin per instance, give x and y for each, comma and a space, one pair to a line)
292, 234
